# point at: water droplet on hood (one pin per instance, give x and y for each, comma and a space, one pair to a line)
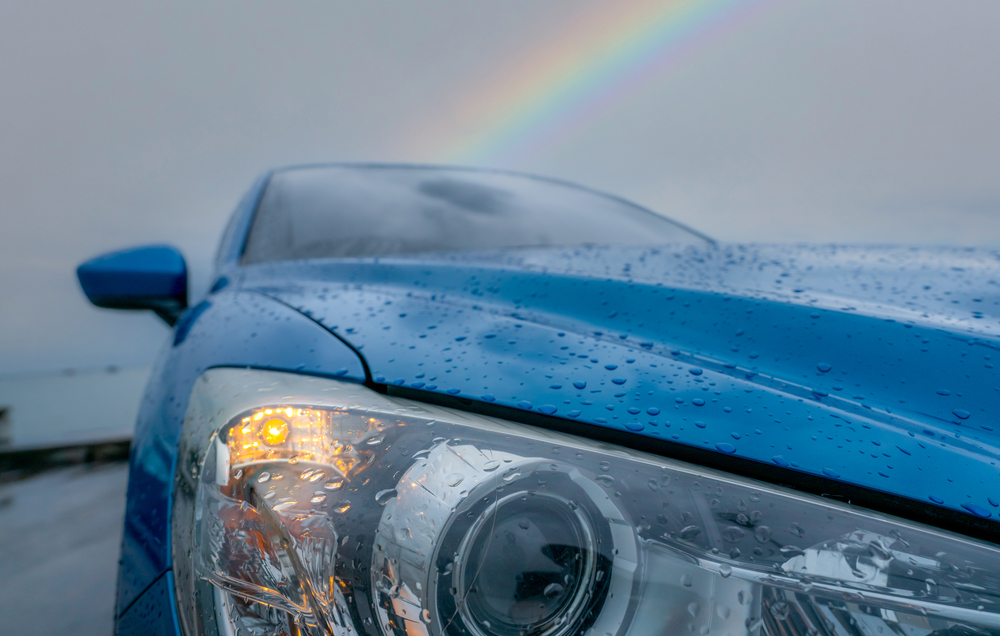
979, 511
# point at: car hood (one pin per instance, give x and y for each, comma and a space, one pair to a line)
863, 365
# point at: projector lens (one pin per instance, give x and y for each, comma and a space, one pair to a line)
529, 562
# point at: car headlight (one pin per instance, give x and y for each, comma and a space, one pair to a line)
312, 506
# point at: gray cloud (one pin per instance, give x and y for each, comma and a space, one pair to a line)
127, 123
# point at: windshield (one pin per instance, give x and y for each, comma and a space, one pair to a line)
345, 211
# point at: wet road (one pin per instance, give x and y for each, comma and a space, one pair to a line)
60, 534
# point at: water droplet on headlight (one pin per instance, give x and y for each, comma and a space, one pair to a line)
334, 484
552, 589
780, 610
605, 480
512, 474
688, 533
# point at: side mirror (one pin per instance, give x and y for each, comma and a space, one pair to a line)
153, 277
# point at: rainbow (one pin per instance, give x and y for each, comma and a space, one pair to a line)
602, 57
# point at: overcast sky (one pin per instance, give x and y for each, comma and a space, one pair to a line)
124, 123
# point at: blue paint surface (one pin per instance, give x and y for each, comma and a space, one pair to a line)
187, 321
875, 367
131, 277
152, 614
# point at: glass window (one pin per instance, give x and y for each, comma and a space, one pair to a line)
345, 211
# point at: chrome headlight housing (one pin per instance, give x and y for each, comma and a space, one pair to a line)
312, 506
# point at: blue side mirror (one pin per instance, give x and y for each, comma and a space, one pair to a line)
153, 277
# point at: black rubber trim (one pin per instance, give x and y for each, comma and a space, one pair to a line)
903, 507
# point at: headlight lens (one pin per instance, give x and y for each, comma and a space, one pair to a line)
310, 506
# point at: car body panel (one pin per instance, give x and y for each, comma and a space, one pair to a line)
152, 614
883, 394
130, 278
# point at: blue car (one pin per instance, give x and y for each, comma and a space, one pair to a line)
433, 401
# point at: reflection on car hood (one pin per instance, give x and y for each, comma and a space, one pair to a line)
875, 366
